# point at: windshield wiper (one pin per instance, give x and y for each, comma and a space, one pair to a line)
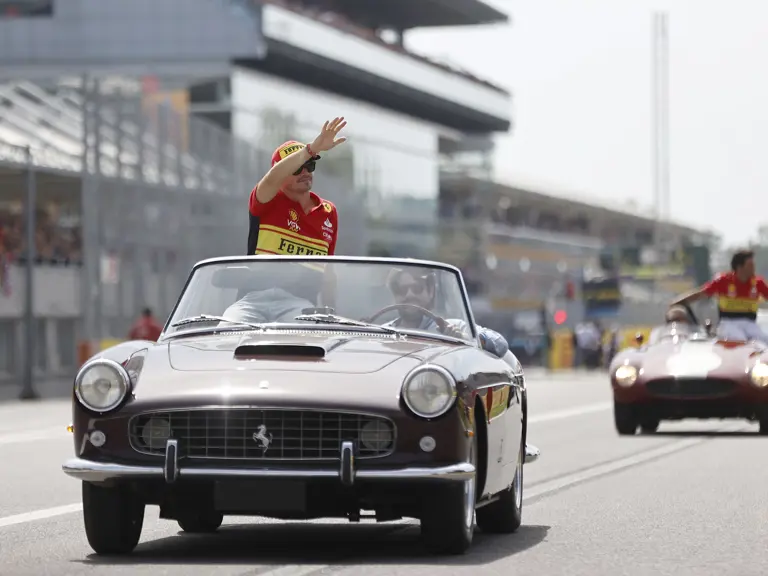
334, 319
209, 318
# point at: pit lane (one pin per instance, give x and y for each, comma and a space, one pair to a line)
689, 500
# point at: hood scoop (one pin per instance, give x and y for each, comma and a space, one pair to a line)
272, 350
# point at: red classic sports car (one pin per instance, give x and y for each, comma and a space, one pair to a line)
685, 371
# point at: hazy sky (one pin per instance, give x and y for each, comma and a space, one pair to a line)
581, 77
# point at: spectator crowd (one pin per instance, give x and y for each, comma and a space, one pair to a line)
55, 243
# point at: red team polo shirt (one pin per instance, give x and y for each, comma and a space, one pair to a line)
737, 299
281, 227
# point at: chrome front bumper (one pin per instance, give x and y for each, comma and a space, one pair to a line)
170, 471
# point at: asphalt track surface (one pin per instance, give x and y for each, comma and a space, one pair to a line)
690, 500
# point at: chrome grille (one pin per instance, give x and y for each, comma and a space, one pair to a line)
240, 433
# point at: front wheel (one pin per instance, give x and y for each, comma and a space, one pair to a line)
505, 515
448, 519
649, 425
200, 521
113, 518
624, 419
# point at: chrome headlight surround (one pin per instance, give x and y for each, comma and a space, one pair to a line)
439, 377
625, 375
758, 375
113, 372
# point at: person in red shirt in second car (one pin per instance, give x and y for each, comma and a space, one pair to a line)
145, 328
286, 217
739, 293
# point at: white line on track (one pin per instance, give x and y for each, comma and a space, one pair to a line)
58, 433
570, 412
40, 515
617, 465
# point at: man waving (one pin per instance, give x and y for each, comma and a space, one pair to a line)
286, 217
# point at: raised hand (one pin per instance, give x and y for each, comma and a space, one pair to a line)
327, 139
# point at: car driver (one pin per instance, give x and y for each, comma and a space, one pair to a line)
677, 314
409, 287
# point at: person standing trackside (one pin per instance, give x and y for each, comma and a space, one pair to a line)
146, 327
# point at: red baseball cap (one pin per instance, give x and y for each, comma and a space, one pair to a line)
288, 148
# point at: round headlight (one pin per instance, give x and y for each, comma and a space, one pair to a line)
626, 375
101, 385
759, 375
429, 391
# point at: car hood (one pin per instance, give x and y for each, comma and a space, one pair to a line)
697, 358
305, 352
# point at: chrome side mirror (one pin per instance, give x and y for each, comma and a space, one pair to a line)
494, 343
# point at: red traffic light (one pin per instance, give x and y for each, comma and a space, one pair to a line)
561, 316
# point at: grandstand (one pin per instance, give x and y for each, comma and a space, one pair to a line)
51, 120
522, 247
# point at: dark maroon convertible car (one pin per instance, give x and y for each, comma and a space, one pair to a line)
254, 402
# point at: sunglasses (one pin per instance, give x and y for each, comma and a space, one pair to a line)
415, 289
309, 165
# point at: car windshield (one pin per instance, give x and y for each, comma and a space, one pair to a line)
379, 295
676, 329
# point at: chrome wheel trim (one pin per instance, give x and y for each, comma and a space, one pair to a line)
470, 487
518, 482
469, 504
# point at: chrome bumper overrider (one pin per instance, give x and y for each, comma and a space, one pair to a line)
531, 453
170, 470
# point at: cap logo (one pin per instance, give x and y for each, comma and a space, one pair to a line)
289, 149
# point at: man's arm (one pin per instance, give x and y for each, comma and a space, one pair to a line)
269, 186
335, 221
706, 291
762, 287
328, 294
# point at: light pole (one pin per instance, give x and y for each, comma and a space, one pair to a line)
28, 384
660, 100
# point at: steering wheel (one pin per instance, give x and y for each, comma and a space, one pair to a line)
442, 324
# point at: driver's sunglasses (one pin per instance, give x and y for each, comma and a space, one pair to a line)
415, 289
309, 165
